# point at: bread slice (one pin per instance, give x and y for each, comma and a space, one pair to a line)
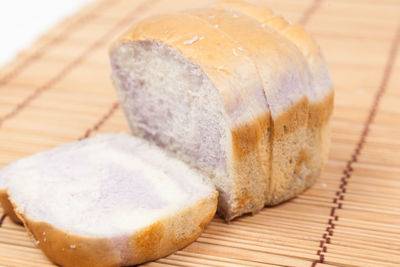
320, 94
186, 86
111, 200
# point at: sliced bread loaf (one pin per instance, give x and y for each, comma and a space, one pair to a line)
231, 96
111, 200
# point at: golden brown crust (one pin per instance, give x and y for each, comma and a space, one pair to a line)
320, 128
322, 110
69, 249
7, 206
286, 128
293, 118
149, 243
242, 201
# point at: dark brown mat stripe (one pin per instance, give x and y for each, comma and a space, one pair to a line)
101, 121
305, 18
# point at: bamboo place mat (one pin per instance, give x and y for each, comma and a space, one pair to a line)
59, 90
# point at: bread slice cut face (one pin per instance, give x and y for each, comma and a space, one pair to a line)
111, 200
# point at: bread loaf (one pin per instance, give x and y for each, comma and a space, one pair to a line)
112, 200
234, 91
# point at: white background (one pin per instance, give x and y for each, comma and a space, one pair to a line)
23, 21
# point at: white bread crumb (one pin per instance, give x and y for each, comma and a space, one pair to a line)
234, 52
191, 41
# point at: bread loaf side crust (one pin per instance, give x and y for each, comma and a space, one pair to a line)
322, 126
286, 128
244, 195
152, 242
321, 106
